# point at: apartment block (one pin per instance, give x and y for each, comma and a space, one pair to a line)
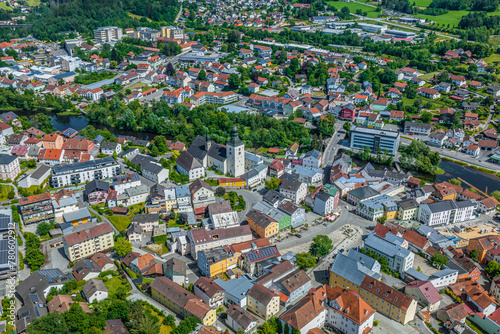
81, 172
87, 242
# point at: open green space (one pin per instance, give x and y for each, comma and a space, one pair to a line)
4, 192
3, 5
115, 283
452, 17
138, 16
421, 3
120, 222
353, 6
33, 2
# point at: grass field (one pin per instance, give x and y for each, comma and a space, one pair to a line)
134, 16
421, 3
137, 85
33, 2
452, 17
3, 5
115, 283
4, 192
120, 222
494, 58
355, 6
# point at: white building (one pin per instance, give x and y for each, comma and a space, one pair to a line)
235, 154
294, 190
187, 164
95, 289
108, 34
81, 172
446, 212
122, 182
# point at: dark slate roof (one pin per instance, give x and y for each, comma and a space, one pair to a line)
290, 185
96, 185
187, 161
6, 159
363, 192
198, 148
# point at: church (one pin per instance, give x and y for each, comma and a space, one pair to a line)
228, 159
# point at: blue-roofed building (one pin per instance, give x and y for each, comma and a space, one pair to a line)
399, 259
312, 159
99, 139
236, 290
311, 176
438, 240
349, 271
69, 133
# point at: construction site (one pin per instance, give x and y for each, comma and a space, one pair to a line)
463, 233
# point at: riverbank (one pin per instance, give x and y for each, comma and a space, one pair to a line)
482, 169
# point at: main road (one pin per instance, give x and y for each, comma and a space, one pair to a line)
333, 144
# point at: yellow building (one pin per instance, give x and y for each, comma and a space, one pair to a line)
388, 301
95, 239
263, 225
263, 302
407, 209
215, 261
181, 301
232, 182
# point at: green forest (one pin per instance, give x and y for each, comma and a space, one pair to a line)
86, 15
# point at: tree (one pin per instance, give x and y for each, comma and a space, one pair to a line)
305, 261
52, 323
473, 254
219, 191
347, 126
202, 75
122, 246
287, 329
233, 81
492, 268
113, 64
272, 183
496, 194
76, 319
321, 246
279, 327
439, 259
43, 228
456, 182
170, 69
426, 117
11, 194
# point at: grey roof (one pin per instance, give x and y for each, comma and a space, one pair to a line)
363, 192
157, 190
93, 286
367, 261
408, 204
465, 204
418, 125
235, 140
109, 145
40, 172
77, 215
96, 185
248, 175
187, 161
416, 274
6, 159
146, 218
443, 273
437, 135
91, 164
441, 206
273, 197
322, 196
152, 167
217, 152
198, 148
374, 132
309, 172
240, 316
237, 287
130, 150
386, 247
352, 270
293, 185
137, 190
182, 191
315, 154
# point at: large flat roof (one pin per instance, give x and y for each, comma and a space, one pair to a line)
374, 132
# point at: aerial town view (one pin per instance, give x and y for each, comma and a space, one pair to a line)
249, 167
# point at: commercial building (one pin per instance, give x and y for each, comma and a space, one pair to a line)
418, 128
373, 27
172, 32
81, 172
181, 301
201, 98
399, 259
377, 207
407, 209
374, 139
87, 242
215, 261
446, 212
108, 34
262, 224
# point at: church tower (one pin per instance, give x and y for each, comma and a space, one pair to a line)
235, 154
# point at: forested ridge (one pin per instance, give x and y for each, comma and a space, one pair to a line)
86, 15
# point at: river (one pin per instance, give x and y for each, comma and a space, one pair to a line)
479, 179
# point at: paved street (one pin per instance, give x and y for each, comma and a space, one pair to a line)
333, 144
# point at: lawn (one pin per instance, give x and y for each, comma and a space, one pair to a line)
3, 5
421, 3
159, 248
494, 58
452, 17
120, 222
134, 16
428, 76
353, 6
137, 85
4, 192
33, 3
116, 282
